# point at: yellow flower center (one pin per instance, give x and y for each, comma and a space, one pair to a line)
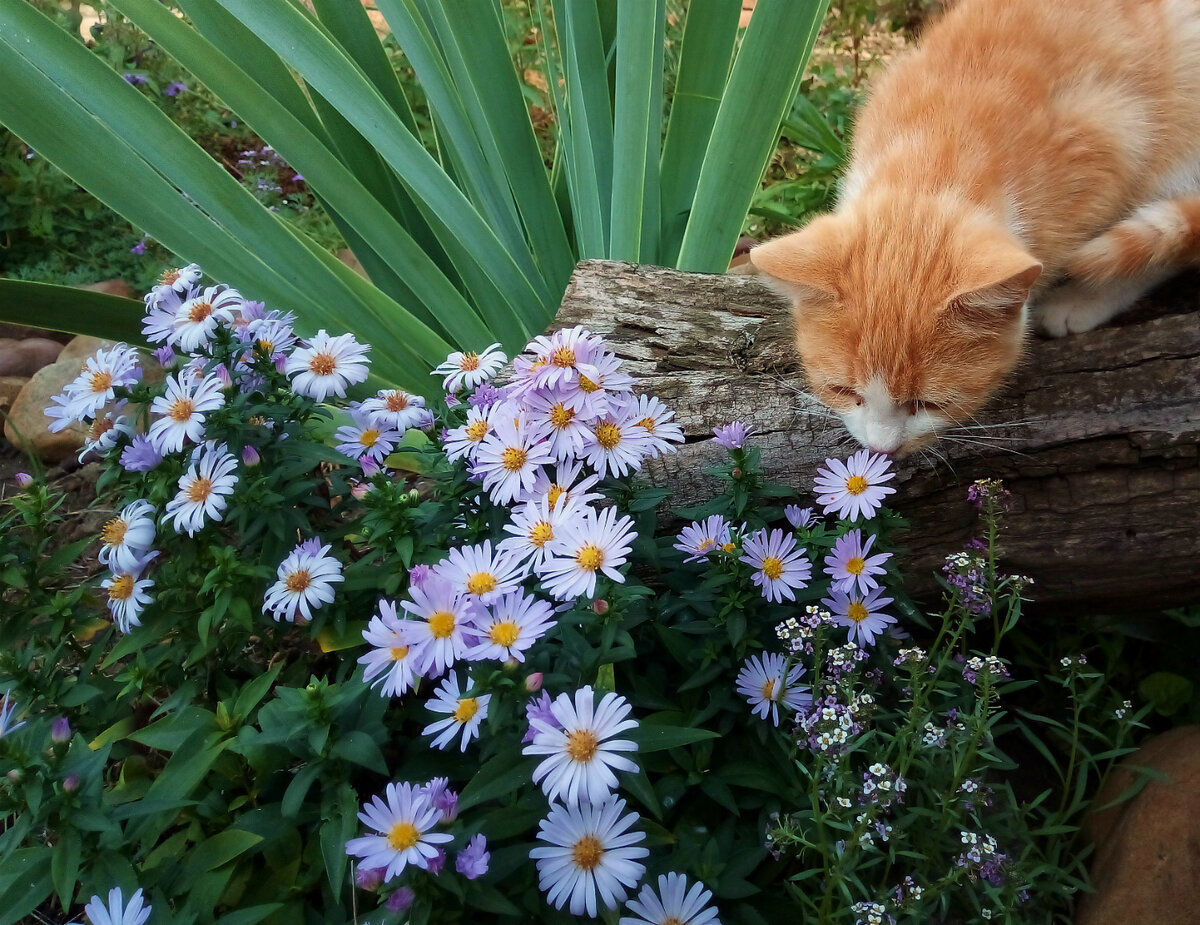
587, 385
561, 415
121, 588
856, 565
469, 362
266, 346
504, 634
399, 653
181, 410
200, 311
100, 427
467, 708
768, 689
563, 357
101, 381
369, 437
857, 612
541, 533
555, 492
114, 532
647, 423
298, 581
441, 624
169, 277
608, 434
513, 458
729, 547
477, 430
402, 836
706, 544
481, 583
856, 485
582, 745
322, 364
772, 567
590, 557
199, 490
673, 920
587, 853
396, 401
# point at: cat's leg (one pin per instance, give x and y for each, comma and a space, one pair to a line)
1112, 271
1077, 306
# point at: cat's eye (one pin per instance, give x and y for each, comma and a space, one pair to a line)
920, 404
844, 393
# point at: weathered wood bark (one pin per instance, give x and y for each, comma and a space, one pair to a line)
1096, 436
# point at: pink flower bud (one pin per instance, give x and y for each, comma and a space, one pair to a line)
737, 472
60, 731
533, 683
250, 456
370, 466
24, 479
71, 783
600, 606
361, 490
14, 775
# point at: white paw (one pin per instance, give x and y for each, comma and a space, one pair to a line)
1071, 309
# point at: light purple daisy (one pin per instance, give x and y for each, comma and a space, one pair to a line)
472, 862
854, 488
863, 614
404, 825
799, 517
850, 565
595, 543
781, 567
700, 538
766, 682
367, 435
327, 366
731, 435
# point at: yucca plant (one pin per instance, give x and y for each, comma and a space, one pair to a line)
467, 240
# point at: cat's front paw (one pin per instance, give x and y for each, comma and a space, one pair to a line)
1072, 309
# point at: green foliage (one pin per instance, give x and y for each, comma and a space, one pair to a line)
462, 227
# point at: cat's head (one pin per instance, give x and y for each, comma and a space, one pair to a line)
909, 314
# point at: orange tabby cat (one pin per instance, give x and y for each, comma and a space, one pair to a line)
1024, 141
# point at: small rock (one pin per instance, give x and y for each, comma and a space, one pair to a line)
1147, 859
82, 347
112, 287
10, 388
26, 425
26, 357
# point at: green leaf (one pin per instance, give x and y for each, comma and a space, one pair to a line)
654, 737
77, 311
218, 850
767, 71
297, 790
1167, 691
498, 776
64, 865
358, 747
249, 916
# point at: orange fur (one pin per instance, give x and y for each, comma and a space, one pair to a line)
1015, 144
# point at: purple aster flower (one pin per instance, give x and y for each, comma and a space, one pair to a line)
418, 575
135, 79
139, 248
799, 517
140, 455
732, 435
310, 547
485, 395
369, 878
472, 862
401, 900
23, 479
165, 356
60, 731
539, 708
851, 566
174, 88
250, 456
297, 178
437, 862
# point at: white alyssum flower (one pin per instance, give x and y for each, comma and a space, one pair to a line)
464, 713
304, 582
582, 750
589, 850
203, 488
327, 366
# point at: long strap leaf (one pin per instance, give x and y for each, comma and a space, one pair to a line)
77, 311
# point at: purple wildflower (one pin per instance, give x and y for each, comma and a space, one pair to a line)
401, 899
539, 708
139, 248
799, 517
174, 88
472, 862
135, 79
732, 435
140, 455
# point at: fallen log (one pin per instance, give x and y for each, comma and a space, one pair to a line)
1096, 436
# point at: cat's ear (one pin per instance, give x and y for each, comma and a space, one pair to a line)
801, 266
998, 289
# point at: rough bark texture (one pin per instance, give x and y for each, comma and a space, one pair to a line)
1096, 436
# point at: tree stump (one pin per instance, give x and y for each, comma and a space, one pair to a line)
1096, 436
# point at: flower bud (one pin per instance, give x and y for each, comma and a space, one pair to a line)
600, 606
370, 466
418, 575
14, 775
435, 864
533, 683
361, 490
369, 878
24, 479
60, 731
736, 473
511, 664
224, 375
401, 900
71, 783
250, 456
165, 356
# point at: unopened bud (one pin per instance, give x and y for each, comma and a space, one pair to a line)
71, 783
533, 683
370, 465
452, 400
14, 775
24, 479
361, 490
511, 664
250, 456
224, 375
60, 731
737, 472
369, 878
401, 900
600, 606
